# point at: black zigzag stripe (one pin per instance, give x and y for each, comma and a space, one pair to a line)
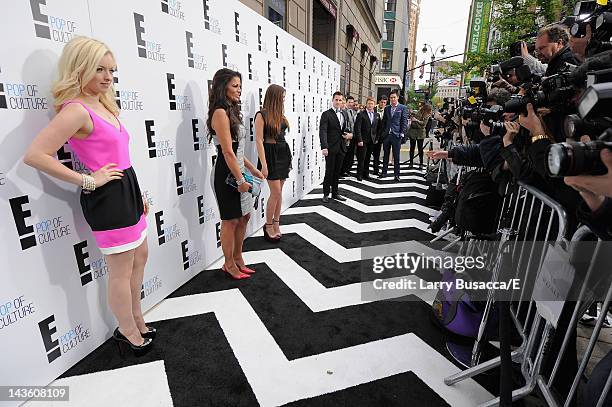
391, 391
360, 217
200, 364
368, 201
350, 240
299, 332
322, 266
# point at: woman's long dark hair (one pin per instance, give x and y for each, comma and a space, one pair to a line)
274, 111
217, 99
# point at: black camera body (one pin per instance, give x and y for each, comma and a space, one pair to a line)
554, 92
578, 158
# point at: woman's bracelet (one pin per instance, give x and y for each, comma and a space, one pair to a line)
89, 183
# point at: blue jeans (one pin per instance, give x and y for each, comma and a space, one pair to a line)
396, 142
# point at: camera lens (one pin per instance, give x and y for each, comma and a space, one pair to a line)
568, 159
558, 159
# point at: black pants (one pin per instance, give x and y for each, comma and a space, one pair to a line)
392, 142
419, 143
376, 157
333, 164
363, 159
349, 158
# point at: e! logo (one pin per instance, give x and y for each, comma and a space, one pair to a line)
178, 174
200, 200
138, 20
51, 345
26, 233
171, 87
41, 30
81, 254
189, 41
150, 134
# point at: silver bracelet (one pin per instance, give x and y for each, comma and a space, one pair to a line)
240, 181
89, 183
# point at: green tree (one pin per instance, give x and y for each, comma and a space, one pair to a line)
512, 19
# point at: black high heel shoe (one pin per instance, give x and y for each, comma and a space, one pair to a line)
267, 235
138, 350
151, 332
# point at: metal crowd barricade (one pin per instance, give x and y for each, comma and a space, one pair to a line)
544, 384
529, 216
516, 224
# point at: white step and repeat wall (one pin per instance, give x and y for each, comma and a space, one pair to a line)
53, 307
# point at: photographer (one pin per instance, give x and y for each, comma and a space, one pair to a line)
486, 156
537, 67
552, 47
530, 165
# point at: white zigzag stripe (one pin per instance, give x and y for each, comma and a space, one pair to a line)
356, 227
378, 208
377, 195
117, 387
275, 380
382, 186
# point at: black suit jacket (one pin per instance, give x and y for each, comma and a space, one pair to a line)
330, 132
365, 131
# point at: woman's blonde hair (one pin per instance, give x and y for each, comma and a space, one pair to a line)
76, 67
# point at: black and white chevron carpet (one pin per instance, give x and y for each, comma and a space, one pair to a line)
298, 332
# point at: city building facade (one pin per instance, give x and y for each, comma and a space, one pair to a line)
347, 31
415, 11
448, 88
400, 25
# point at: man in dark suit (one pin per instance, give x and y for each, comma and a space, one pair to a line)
349, 157
367, 132
394, 128
334, 135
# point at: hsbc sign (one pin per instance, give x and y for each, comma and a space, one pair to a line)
388, 80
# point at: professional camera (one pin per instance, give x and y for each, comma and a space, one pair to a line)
599, 18
567, 159
577, 158
554, 92
504, 69
576, 127
492, 117
515, 47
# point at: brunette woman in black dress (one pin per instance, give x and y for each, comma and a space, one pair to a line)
274, 155
235, 205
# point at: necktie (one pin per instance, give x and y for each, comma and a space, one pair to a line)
392, 110
371, 114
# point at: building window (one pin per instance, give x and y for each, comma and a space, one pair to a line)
390, 5
386, 60
276, 11
388, 30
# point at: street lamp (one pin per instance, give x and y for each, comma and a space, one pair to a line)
433, 58
403, 98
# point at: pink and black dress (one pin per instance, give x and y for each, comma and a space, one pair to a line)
114, 211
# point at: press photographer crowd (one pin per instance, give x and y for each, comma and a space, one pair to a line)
537, 127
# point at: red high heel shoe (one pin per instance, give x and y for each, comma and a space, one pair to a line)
246, 270
240, 276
